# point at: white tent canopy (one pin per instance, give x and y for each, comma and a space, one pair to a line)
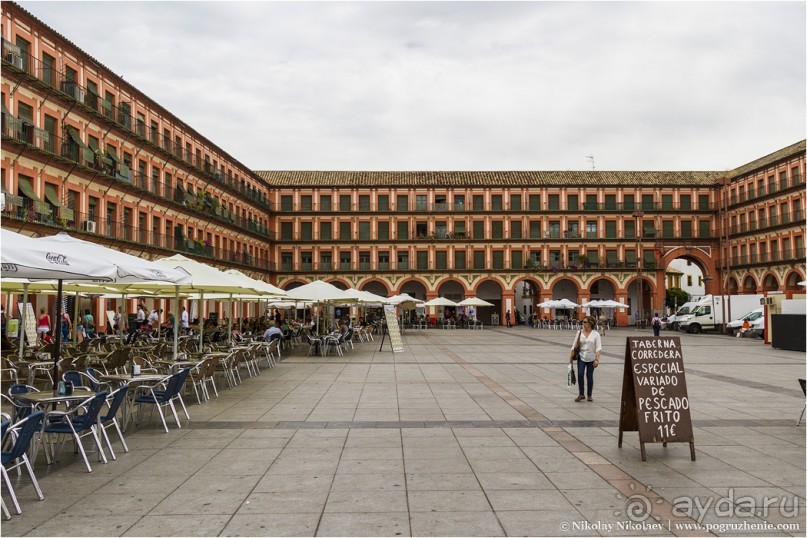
474, 301
440, 301
319, 291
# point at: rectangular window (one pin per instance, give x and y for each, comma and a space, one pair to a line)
479, 229
287, 203
325, 261
497, 229
535, 257
498, 259
515, 229
572, 202
496, 202
630, 229
647, 202
306, 261
287, 261
403, 261
610, 202
479, 202
667, 202
516, 260
459, 229
420, 202
306, 203
704, 228
441, 260
325, 231
402, 203
703, 202
344, 261
686, 228
479, 259
591, 202
535, 229
628, 202
554, 229
364, 202
403, 230
667, 229
535, 202
383, 261
286, 231
364, 261
554, 202
423, 260
685, 202
383, 202
344, 202
306, 231
459, 259
364, 231
610, 229
591, 229
383, 231
515, 202
459, 202
345, 231
325, 203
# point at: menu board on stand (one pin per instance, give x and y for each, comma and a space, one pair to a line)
654, 393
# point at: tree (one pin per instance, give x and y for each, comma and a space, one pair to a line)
676, 296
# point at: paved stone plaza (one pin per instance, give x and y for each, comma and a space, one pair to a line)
464, 433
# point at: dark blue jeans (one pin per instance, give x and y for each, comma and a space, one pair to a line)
585, 369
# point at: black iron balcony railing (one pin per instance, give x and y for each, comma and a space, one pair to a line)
61, 218
754, 194
288, 206
122, 116
771, 221
763, 258
69, 148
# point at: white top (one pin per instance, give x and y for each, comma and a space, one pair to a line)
589, 346
184, 320
141, 314
153, 317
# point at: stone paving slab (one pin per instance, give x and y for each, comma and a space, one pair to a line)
469, 433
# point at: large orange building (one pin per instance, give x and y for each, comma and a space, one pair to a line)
86, 152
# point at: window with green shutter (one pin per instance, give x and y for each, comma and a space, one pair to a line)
685, 202
572, 203
554, 202
287, 203
535, 229
703, 202
287, 231
364, 202
325, 203
459, 259
345, 231
497, 229
515, 229
535, 202
629, 202
423, 260
610, 202
496, 202
498, 259
647, 202
479, 230
403, 230
344, 202
667, 202
630, 229
306, 233
667, 229
479, 202
591, 202
306, 203
516, 260
479, 259
325, 231
686, 228
383, 202
383, 231
610, 229
441, 260
515, 202
704, 228
402, 203
364, 231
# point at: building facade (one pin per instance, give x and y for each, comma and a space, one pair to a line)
85, 152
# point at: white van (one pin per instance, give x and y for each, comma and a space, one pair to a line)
752, 316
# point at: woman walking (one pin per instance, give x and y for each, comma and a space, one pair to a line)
42, 325
590, 349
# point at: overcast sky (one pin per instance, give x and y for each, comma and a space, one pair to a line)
462, 85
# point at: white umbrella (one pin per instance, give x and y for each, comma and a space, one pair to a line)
610, 303
803, 283
474, 301
545, 304
565, 303
440, 301
365, 297
319, 291
405, 301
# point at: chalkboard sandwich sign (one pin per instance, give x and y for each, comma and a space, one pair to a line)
654, 393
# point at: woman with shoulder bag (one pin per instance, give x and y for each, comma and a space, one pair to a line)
589, 347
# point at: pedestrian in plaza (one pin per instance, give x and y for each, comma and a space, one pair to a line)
590, 346
183, 322
656, 322
66, 327
507, 318
89, 324
42, 325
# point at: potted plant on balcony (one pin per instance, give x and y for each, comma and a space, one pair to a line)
582, 261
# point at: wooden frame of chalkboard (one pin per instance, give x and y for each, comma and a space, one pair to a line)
654, 393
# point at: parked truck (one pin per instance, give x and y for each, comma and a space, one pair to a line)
684, 309
707, 314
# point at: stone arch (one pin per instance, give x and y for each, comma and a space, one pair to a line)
451, 288
792, 280
340, 283
566, 285
379, 287
597, 293
414, 286
749, 284
648, 296
492, 291
703, 260
293, 284
770, 282
526, 294
732, 286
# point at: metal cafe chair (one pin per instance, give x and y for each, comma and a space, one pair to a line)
21, 434
79, 422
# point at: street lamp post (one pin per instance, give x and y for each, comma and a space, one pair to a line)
723, 242
639, 260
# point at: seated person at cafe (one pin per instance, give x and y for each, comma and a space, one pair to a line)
236, 335
48, 338
272, 333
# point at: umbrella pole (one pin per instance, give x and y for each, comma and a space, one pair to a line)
201, 320
22, 318
58, 339
75, 318
176, 321
240, 313
120, 323
230, 320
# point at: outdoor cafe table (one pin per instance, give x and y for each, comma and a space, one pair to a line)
120, 379
175, 366
43, 399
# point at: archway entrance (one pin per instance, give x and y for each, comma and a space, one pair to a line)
526, 294
414, 289
647, 306
376, 287
769, 283
749, 285
565, 289
491, 292
451, 289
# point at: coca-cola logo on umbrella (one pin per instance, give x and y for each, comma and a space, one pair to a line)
58, 259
